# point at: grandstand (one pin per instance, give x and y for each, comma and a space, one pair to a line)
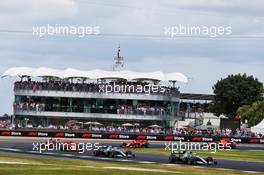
109, 97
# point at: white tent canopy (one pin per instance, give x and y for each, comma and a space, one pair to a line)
47, 72
19, 71
259, 128
94, 74
127, 125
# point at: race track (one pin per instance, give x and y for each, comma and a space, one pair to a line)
26, 146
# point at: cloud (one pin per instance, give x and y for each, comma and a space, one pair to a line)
22, 14
202, 71
141, 17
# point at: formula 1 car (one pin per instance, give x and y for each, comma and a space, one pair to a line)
136, 144
115, 152
228, 144
225, 144
187, 157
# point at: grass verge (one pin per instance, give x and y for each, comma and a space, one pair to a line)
14, 164
242, 155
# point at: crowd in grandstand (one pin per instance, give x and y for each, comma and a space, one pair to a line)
141, 110
194, 107
26, 106
217, 132
85, 87
5, 123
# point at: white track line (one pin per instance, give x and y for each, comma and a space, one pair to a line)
142, 169
253, 172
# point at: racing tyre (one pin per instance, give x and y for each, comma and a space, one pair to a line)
172, 159
112, 155
185, 160
189, 161
123, 144
108, 154
96, 153
209, 159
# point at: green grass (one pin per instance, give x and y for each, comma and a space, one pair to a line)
57, 166
243, 155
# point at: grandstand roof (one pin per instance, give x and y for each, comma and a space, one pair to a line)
189, 96
94, 74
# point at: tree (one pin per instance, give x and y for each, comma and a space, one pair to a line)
252, 113
5, 116
233, 92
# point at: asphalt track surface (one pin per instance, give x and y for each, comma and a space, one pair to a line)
26, 146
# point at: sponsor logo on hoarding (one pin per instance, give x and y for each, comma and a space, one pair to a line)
179, 138
6, 133
16, 133
124, 136
168, 138
206, 139
59, 134
69, 135
43, 134
118, 136
97, 135
225, 139
113, 136
151, 137
253, 140
236, 140
196, 138
141, 137
33, 133
87, 135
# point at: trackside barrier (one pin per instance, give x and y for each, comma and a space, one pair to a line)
154, 137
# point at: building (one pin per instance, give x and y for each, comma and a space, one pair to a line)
195, 109
45, 96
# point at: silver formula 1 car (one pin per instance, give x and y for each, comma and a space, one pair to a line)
187, 157
115, 152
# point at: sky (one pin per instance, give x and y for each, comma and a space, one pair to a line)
139, 27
